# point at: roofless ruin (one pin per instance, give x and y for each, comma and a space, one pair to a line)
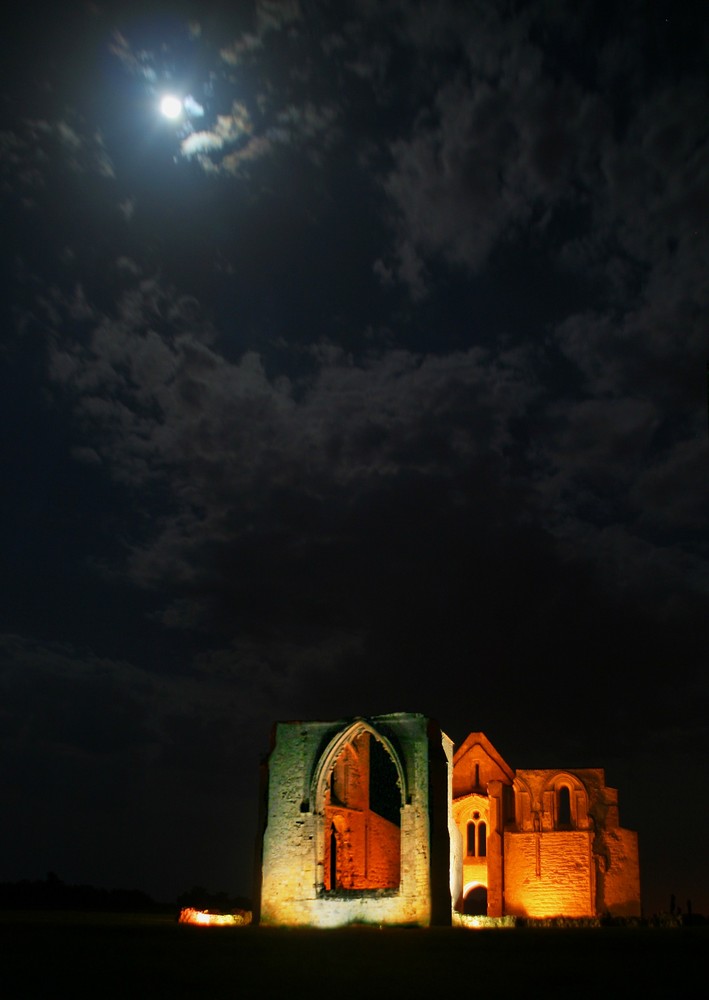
380, 821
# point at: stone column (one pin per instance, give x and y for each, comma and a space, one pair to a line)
495, 861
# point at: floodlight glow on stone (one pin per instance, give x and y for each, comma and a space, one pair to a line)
171, 106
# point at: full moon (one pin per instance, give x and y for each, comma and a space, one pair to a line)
171, 106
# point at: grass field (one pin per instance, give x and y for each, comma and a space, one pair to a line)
105, 955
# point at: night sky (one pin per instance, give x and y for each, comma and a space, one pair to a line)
375, 381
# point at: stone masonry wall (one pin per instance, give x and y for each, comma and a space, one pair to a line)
620, 880
293, 857
549, 874
554, 843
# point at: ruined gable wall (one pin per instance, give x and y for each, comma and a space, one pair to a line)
476, 764
293, 854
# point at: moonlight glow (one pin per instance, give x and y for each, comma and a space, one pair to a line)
171, 106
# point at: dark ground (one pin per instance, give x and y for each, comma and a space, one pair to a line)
45, 955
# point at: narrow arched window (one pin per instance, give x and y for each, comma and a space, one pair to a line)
333, 857
564, 818
482, 840
470, 850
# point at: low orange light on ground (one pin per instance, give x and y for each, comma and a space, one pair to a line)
203, 918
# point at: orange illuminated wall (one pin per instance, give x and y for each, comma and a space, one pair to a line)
362, 847
554, 845
378, 821
479, 777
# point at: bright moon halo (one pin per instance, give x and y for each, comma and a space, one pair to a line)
171, 106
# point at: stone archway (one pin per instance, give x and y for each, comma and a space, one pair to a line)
358, 796
475, 902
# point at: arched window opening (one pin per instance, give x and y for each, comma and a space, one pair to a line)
384, 791
508, 804
362, 811
564, 806
333, 856
476, 837
470, 850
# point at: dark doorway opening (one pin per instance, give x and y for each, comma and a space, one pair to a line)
475, 903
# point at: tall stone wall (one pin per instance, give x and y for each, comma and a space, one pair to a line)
295, 887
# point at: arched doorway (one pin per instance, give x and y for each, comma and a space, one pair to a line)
475, 903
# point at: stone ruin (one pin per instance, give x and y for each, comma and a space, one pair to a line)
380, 821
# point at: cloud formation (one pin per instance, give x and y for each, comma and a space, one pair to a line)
381, 371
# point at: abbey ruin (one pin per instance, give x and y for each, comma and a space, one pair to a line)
382, 821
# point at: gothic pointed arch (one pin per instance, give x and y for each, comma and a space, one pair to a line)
333, 750
358, 788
